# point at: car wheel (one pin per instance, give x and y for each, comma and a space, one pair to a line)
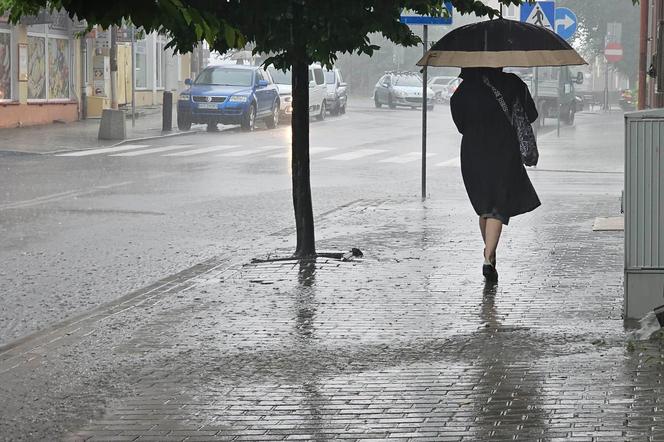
390, 103
273, 120
249, 119
376, 102
335, 110
342, 110
321, 115
184, 122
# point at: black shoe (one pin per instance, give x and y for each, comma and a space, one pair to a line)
490, 273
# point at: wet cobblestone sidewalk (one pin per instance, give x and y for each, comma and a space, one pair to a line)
407, 343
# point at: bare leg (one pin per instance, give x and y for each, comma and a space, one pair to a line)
493, 230
483, 229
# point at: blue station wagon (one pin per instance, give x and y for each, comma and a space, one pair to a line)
233, 94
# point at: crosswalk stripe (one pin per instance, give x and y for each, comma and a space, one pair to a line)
360, 153
247, 152
83, 153
312, 151
454, 162
405, 158
188, 153
272, 147
153, 150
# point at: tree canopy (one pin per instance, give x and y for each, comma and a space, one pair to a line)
275, 27
294, 32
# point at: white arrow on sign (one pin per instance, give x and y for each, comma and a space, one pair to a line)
565, 22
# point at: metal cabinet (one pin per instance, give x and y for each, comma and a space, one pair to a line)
644, 212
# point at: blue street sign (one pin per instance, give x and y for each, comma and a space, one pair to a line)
566, 23
428, 20
539, 14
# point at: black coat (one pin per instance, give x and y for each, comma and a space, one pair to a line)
491, 165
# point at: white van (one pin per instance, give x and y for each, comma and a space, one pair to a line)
317, 91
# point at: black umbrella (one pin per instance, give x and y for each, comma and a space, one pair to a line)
501, 43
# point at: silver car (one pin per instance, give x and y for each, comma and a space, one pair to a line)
401, 89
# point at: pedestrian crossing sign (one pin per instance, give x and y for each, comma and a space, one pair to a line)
539, 14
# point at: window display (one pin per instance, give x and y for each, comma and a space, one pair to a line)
58, 68
36, 68
5, 66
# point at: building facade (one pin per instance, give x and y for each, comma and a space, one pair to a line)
654, 99
50, 72
36, 72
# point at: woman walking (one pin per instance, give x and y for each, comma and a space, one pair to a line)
493, 173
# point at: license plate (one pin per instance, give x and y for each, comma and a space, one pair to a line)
207, 105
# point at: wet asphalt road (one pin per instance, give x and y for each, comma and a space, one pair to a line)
81, 230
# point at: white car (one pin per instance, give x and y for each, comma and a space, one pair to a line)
401, 89
317, 91
439, 85
450, 89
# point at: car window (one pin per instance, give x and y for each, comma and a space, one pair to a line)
225, 77
320, 77
440, 81
311, 76
408, 80
267, 77
329, 77
259, 76
280, 77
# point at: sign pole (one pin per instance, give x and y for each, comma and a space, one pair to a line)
536, 87
560, 106
424, 117
425, 21
606, 87
133, 75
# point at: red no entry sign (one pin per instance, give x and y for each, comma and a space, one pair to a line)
613, 52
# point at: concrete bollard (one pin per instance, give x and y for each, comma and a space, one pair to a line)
167, 112
112, 126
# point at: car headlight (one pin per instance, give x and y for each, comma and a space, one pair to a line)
238, 99
399, 93
185, 97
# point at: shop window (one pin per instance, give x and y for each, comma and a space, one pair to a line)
58, 68
36, 68
5, 66
141, 64
160, 65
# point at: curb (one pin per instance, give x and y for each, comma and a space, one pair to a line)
156, 137
120, 143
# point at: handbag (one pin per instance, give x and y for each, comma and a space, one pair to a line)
520, 123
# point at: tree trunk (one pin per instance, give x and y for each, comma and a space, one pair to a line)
304, 218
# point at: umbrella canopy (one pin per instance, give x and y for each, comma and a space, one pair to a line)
501, 43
